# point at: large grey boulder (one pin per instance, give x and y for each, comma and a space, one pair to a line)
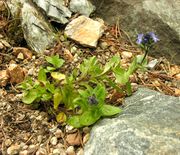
137, 16
37, 31
149, 125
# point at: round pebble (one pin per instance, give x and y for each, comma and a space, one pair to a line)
13, 149
54, 141
58, 133
70, 150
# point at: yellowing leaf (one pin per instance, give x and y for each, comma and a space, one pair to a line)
58, 76
61, 117
57, 100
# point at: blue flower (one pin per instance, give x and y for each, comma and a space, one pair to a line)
147, 39
154, 37
92, 100
140, 38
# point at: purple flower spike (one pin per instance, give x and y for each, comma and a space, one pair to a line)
140, 38
154, 37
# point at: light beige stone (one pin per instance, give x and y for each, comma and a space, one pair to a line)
3, 78
85, 31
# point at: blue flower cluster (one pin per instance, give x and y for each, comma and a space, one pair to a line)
92, 100
147, 39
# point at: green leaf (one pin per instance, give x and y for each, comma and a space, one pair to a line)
42, 75
61, 117
128, 88
50, 87
31, 96
57, 100
114, 62
89, 117
108, 110
121, 75
50, 69
58, 76
100, 92
74, 121
133, 66
46, 96
55, 61
90, 67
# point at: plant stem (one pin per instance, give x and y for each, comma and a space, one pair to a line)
146, 52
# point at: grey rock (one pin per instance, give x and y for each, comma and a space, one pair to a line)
15, 6
149, 125
84, 7
140, 16
55, 9
37, 31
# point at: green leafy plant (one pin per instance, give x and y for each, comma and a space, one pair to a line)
79, 99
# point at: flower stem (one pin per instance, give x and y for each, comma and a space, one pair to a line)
146, 52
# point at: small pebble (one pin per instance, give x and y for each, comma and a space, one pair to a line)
69, 128
13, 149
59, 152
8, 142
70, 150
86, 129
41, 151
32, 148
73, 49
103, 45
58, 133
40, 138
20, 56
86, 138
126, 55
152, 64
25, 152
54, 141
80, 152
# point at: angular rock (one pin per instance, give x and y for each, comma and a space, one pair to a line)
149, 125
16, 73
85, 31
55, 9
74, 139
83, 7
37, 31
4, 77
140, 16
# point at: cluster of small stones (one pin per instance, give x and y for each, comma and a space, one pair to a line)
28, 132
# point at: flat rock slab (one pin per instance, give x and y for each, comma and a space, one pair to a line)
149, 125
85, 31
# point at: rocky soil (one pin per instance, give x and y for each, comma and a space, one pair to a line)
24, 130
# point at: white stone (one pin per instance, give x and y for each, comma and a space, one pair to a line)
53, 140
12, 150
70, 150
